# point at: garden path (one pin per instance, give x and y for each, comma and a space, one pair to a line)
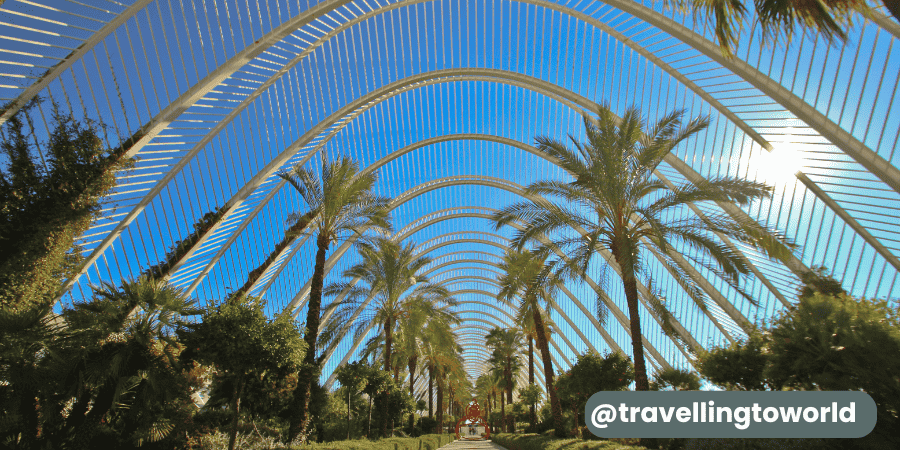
471, 445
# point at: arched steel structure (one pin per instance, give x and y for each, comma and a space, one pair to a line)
443, 97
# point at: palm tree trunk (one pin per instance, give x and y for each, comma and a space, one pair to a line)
103, 402
388, 342
430, 391
412, 392
531, 376
28, 410
308, 371
555, 408
494, 396
438, 427
503, 423
236, 406
511, 421
640, 367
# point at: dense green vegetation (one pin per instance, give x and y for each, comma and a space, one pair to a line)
542, 442
828, 341
49, 195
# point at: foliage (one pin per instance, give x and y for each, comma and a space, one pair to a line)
239, 340
105, 373
827, 341
593, 373
48, 198
539, 442
676, 380
331, 422
359, 377
236, 337
254, 441
391, 404
778, 18
531, 395
739, 366
183, 246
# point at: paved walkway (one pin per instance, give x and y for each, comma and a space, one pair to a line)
472, 445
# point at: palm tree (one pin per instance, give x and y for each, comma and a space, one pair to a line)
613, 202
424, 320
446, 363
439, 341
129, 323
525, 317
506, 345
527, 276
830, 18
387, 274
483, 391
343, 200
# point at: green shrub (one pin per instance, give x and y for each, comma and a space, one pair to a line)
429, 442
548, 442
252, 440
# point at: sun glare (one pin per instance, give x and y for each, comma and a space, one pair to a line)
780, 165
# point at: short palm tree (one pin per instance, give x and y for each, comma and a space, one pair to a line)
425, 318
614, 202
525, 317
446, 364
130, 334
439, 341
343, 201
525, 283
830, 18
506, 346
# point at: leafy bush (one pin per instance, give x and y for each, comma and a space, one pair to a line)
676, 380
255, 441
541, 442
827, 341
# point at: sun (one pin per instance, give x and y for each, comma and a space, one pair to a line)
781, 164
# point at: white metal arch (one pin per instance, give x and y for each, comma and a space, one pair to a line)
569, 98
673, 28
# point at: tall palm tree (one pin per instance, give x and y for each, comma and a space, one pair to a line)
527, 277
614, 202
506, 346
387, 274
830, 18
343, 200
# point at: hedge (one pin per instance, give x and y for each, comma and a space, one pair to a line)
428, 442
539, 442
255, 441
